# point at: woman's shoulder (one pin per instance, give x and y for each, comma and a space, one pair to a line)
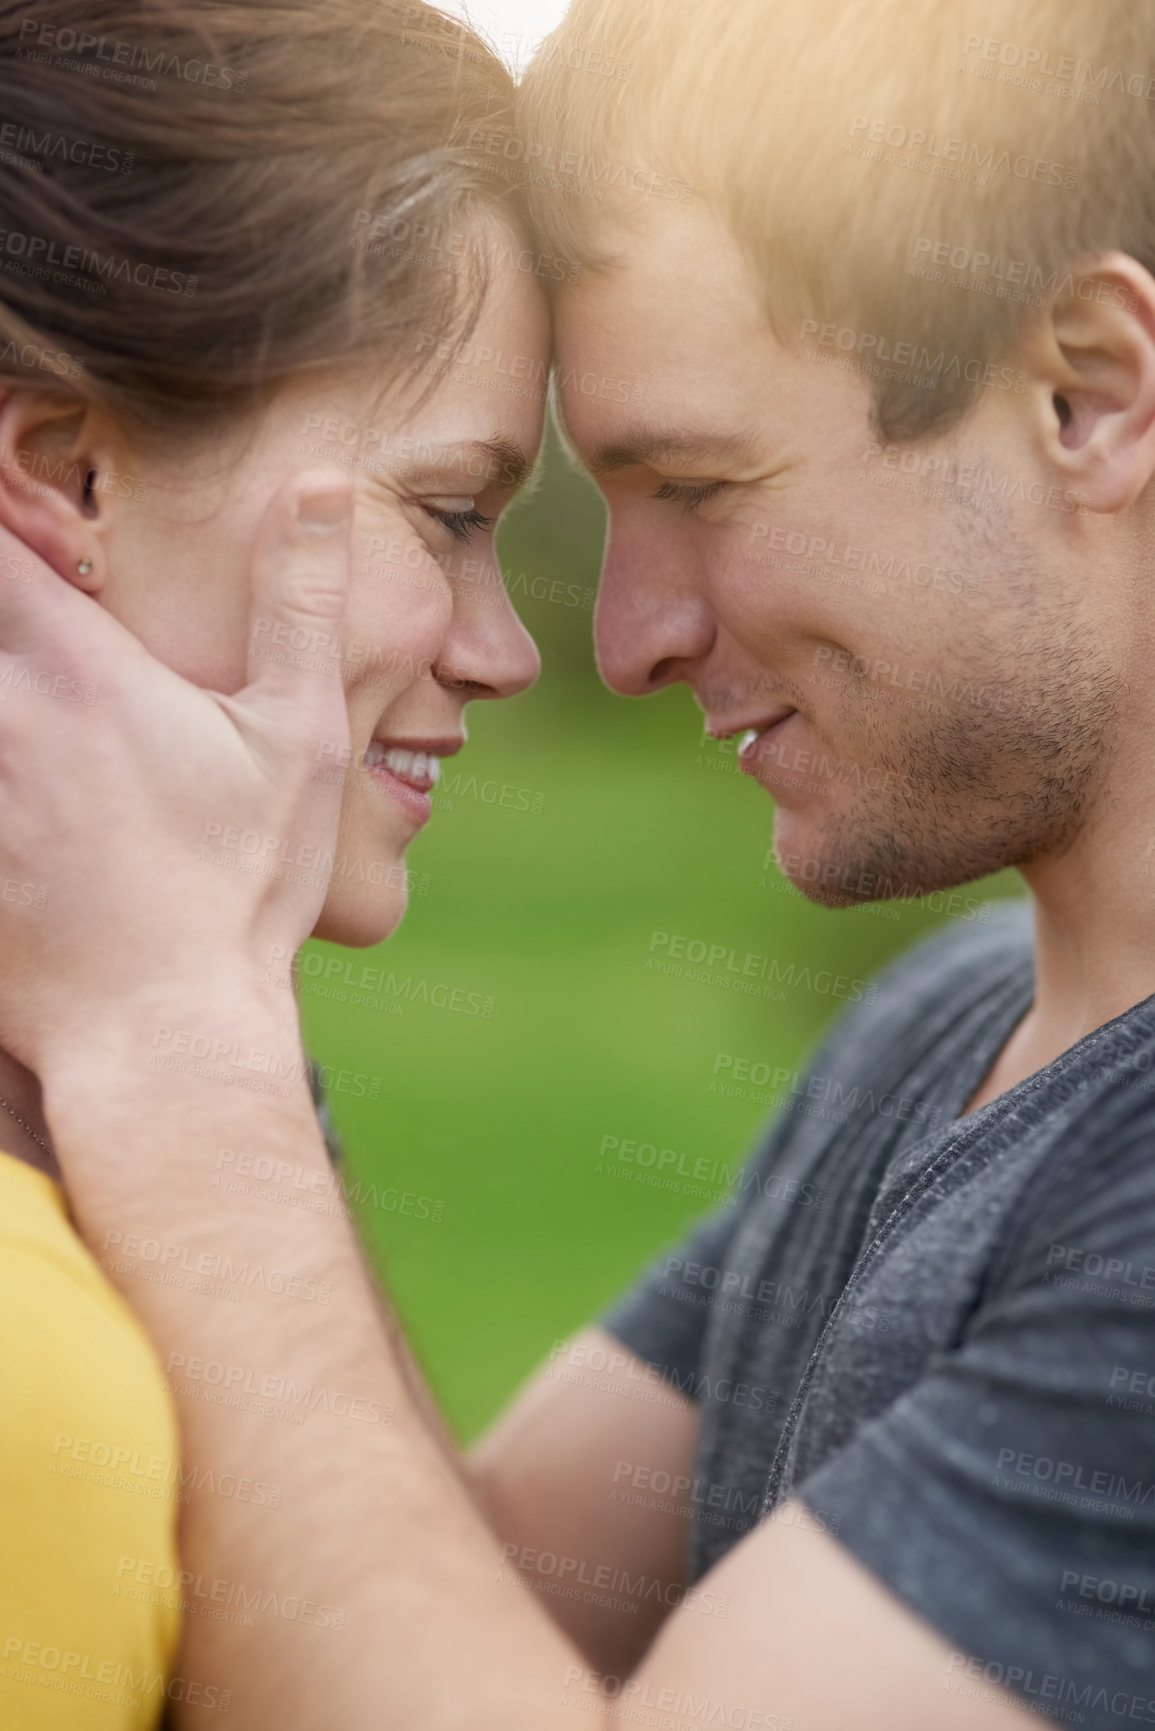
58, 1309
89, 1475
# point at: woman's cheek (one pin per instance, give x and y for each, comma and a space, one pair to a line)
368, 887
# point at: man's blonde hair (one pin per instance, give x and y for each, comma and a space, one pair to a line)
908, 177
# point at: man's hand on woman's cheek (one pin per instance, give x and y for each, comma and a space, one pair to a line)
116, 775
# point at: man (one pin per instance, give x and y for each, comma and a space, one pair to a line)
920, 1493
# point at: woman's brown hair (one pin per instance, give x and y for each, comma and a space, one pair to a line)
201, 199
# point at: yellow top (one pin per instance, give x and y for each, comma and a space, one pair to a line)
89, 1485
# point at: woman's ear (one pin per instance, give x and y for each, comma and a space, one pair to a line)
1094, 358
51, 461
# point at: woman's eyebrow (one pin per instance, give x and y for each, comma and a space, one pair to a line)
492, 462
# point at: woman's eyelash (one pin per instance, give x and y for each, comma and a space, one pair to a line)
461, 524
687, 495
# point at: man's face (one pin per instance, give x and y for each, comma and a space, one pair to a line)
910, 634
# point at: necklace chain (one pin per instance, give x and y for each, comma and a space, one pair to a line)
27, 1128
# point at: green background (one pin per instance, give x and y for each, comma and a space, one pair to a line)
496, 1121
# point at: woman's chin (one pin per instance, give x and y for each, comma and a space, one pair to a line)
360, 916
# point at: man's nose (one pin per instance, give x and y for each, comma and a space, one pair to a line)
650, 622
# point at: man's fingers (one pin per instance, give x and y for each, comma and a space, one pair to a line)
300, 585
32, 595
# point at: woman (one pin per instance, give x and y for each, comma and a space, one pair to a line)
232, 238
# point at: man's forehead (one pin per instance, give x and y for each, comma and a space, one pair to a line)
663, 350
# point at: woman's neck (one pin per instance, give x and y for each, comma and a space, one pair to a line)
20, 1092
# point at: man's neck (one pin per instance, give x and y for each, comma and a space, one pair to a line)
1094, 944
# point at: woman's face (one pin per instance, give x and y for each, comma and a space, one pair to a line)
429, 625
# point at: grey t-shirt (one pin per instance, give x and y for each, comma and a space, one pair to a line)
938, 1333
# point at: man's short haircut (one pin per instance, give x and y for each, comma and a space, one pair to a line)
917, 174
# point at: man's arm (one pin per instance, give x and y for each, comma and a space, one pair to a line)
593, 1464
347, 1577
587, 1476
382, 1597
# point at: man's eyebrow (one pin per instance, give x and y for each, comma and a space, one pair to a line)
646, 446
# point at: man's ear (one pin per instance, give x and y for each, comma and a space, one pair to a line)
51, 461
1094, 356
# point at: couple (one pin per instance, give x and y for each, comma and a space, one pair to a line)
928, 1501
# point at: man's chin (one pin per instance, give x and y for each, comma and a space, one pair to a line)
828, 868
808, 864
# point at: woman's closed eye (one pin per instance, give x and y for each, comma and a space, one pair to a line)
459, 515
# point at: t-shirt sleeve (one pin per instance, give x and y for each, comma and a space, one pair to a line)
1009, 1496
662, 1318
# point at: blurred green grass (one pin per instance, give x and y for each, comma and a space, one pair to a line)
496, 1120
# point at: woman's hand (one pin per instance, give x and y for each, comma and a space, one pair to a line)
120, 782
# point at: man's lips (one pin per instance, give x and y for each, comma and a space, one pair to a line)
408, 769
758, 749
754, 738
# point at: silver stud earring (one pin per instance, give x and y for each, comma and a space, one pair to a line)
84, 566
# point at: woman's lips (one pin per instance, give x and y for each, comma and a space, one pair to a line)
406, 775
